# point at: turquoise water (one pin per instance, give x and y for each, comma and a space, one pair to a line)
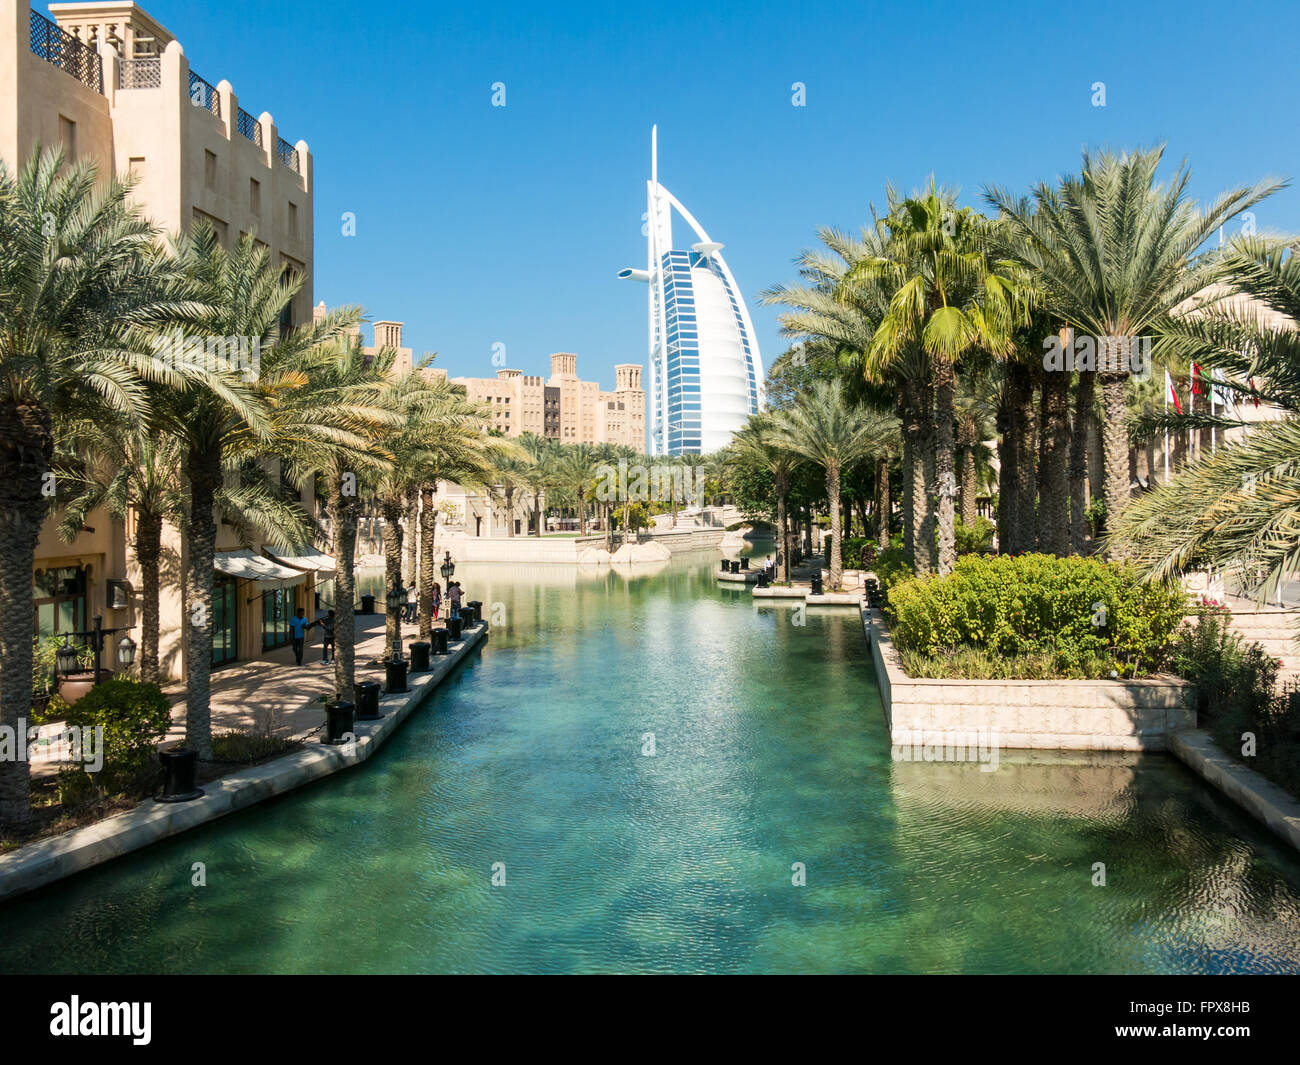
769, 750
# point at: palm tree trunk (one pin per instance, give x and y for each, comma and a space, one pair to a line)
391, 509
537, 512
203, 471
909, 482
510, 512
343, 514
428, 529
26, 448
1024, 436
1083, 400
945, 475
927, 533
833, 498
409, 539
782, 526
1007, 450
1053, 456
882, 495
1115, 446
148, 550
969, 485
582, 513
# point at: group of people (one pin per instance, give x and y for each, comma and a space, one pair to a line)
412, 612
299, 626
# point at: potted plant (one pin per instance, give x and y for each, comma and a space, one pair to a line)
73, 685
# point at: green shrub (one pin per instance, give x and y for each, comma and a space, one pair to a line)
975, 539
892, 568
1085, 613
134, 716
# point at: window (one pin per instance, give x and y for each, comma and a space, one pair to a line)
209, 169
68, 137
135, 165
225, 611
60, 600
254, 195
293, 219
277, 608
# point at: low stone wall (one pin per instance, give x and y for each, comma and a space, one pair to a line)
36, 864
563, 550
1098, 715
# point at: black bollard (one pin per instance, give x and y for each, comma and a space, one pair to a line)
395, 675
468, 616
477, 605
439, 641
366, 694
724, 566
339, 719
181, 770
367, 604
453, 628
420, 656
744, 562
817, 584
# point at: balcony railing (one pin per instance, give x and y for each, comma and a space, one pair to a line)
64, 51
144, 73
287, 154
203, 95
250, 127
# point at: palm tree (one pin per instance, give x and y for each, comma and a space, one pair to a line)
974, 409
757, 443
1114, 252
948, 297
827, 429
227, 415
538, 473
74, 281
575, 470
1240, 507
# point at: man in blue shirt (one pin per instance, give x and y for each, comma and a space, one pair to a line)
298, 626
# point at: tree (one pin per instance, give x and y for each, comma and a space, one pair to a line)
575, 470
1240, 507
948, 296
828, 430
75, 283
757, 442
1113, 252
227, 414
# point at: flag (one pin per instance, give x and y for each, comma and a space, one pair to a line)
1251, 382
1198, 380
1172, 393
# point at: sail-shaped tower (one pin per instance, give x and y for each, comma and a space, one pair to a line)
706, 374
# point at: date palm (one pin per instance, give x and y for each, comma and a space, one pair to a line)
75, 283
575, 470
757, 443
1239, 508
230, 414
1114, 251
830, 431
949, 297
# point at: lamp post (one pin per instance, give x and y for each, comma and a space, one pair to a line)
448, 567
66, 655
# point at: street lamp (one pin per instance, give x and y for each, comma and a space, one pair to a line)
66, 655
126, 651
396, 597
448, 567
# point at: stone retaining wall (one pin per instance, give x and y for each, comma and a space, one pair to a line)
1099, 715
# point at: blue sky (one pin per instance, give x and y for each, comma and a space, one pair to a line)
479, 225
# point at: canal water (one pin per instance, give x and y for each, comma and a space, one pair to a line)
662, 776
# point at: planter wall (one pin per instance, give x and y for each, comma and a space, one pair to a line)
1094, 715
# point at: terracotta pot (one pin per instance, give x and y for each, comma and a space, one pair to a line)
73, 686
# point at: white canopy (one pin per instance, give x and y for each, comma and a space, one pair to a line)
305, 558
250, 567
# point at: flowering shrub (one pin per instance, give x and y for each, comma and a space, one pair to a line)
1089, 616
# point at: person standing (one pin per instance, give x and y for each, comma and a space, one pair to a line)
437, 599
298, 626
327, 636
453, 593
412, 603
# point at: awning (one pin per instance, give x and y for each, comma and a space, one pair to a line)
305, 558
250, 567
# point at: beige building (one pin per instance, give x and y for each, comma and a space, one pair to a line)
107, 82
563, 407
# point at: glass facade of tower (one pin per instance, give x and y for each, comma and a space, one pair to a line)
702, 405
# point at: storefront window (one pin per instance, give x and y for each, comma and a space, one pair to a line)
277, 607
60, 596
225, 611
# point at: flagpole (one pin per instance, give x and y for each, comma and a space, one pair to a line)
1191, 409
1168, 385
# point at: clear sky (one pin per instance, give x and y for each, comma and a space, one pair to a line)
478, 225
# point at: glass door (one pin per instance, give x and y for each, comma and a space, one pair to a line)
225, 614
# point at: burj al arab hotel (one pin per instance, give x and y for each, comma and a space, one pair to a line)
706, 375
